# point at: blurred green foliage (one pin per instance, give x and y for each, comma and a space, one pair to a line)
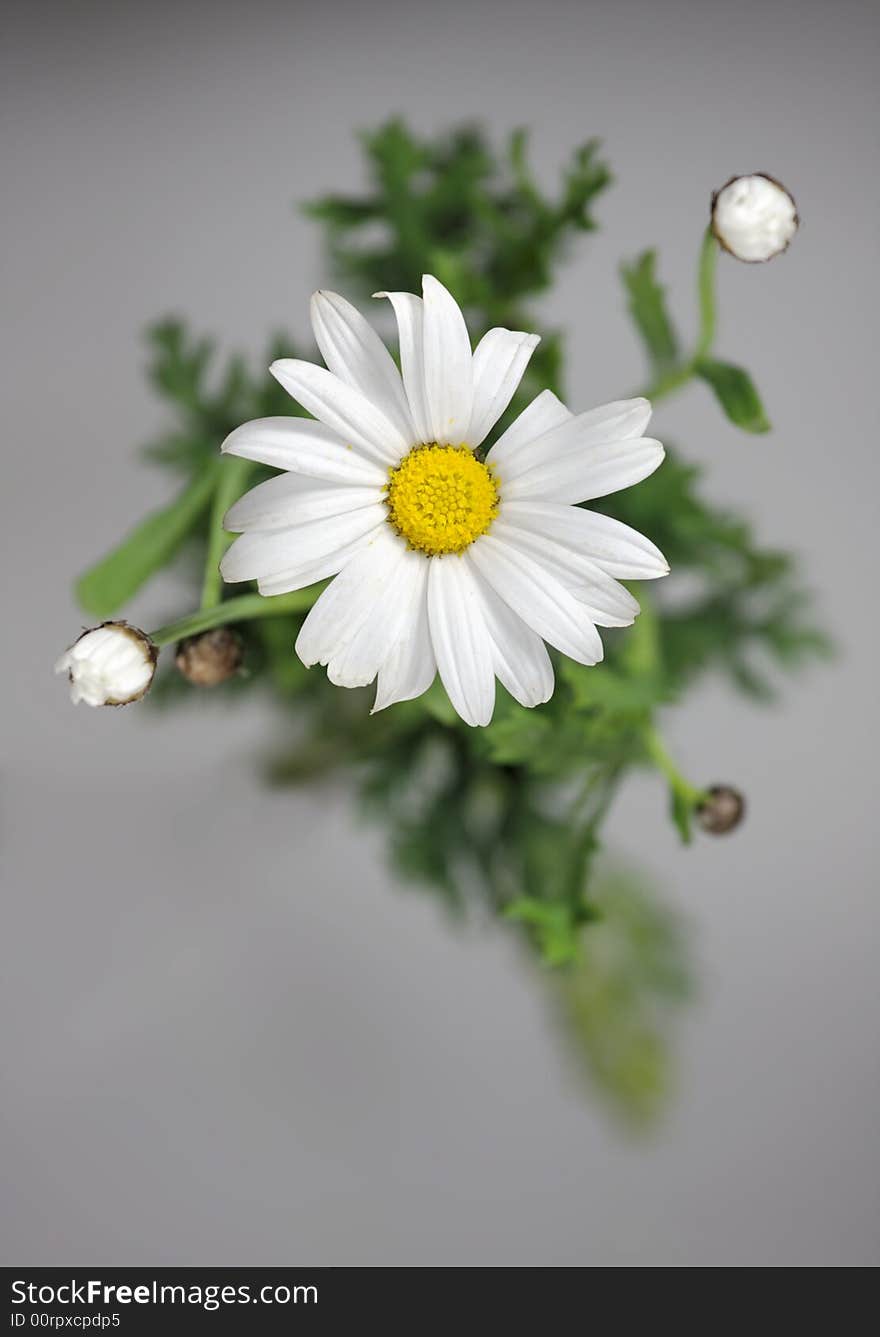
509, 816
619, 1003
647, 306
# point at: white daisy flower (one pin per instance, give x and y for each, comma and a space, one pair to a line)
754, 217
110, 665
445, 560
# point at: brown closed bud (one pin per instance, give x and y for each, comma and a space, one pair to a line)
722, 811
211, 657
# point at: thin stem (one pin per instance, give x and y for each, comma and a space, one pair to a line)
244, 608
592, 781
674, 379
706, 295
642, 651
668, 382
231, 480
657, 751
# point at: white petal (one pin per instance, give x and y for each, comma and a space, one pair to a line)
257, 555
343, 409
620, 421
500, 359
410, 668
618, 549
539, 598
344, 607
309, 572
449, 386
360, 659
617, 421
580, 473
460, 638
305, 446
410, 314
354, 352
543, 414
519, 655
607, 603
292, 499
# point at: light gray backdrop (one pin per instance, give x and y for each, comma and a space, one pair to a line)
228, 1037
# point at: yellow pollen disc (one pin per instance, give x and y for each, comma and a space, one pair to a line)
441, 498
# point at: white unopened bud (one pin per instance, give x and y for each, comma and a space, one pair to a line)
111, 665
754, 217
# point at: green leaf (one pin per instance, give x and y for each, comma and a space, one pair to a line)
736, 393
451, 206
105, 587
178, 362
621, 999
516, 735
554, 925
682, 811
647, 306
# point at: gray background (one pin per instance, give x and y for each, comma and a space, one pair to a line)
227, 1036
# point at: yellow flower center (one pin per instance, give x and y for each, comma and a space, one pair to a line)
441, 498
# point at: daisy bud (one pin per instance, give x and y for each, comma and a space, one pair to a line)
722, 811
754, 217
211, 657
110, 665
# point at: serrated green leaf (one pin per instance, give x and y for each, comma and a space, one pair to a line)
647, 306
451, 206
621, 999
553, 924
108, 585
515, 734
736, 393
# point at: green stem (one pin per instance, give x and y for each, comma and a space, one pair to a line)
231, 480
657, 751
244, 608
675, 378
668, 382
706, 295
